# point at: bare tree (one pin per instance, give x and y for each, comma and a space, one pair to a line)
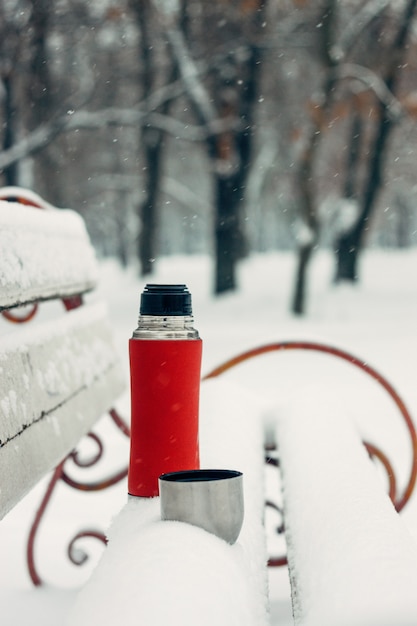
350, 243
233, 56
41, 91
98, 92
308, 233
152, 137
11, 31
378, 70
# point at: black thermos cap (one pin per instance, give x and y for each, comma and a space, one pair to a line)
165, 300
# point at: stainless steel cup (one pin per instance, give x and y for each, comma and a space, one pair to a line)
209, 498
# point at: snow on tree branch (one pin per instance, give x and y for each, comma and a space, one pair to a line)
375, 83
112, 116
356, 26
187, 67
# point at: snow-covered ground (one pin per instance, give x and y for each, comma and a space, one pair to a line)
376, 321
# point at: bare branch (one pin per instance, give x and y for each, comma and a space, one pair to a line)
186, 196
144, 114
375, 83
91, 120
35, 141
113, 116
190, 132
357, 25
188, 70
190, 76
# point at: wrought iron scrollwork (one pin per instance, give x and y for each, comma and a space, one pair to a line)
61, 473
78, 556
21, 315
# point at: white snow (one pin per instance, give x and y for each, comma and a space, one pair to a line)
376, 321
35, 348
43, 248
353, 560
72, 368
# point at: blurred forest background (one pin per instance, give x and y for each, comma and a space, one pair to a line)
217, 126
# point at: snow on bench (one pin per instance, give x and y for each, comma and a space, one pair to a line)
45, 253
155, 572
57, 377
352, 561
56, 381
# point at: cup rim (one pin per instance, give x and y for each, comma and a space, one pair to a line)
199, 475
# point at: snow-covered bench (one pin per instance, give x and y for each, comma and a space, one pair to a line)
60, 373
352, 560
156, 572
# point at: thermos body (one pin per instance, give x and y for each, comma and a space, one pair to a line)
165, 365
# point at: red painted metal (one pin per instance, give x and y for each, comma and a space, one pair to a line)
77, 556
99, 485
120, 423
72, 302
30, 548
61, 474
19, 316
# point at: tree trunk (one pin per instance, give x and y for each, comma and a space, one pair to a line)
153, 141
353, 160
306, 170
41, 95
147, 249
305, 253
232, 95
311, 223
10, 173
350, 244
228, 236
347, 242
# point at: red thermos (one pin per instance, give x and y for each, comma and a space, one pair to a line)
165, 365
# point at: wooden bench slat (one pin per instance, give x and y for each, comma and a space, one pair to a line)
44, 254
352, 561
55, 381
